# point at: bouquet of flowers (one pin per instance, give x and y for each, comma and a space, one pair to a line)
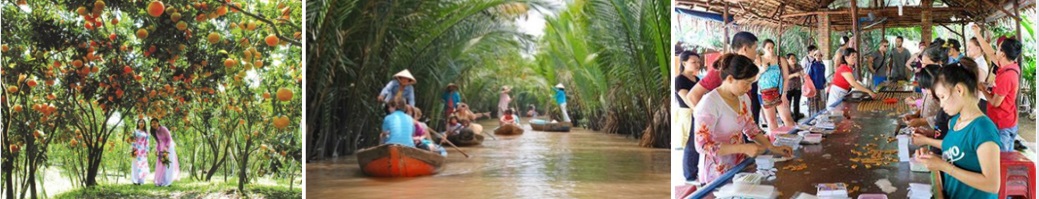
164, 157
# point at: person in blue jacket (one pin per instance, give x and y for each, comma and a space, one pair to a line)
402, 86
451, 99
561, 100
813, 65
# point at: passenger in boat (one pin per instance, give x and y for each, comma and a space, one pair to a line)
531, 111
421, 137
507, 118
453, 126
969, 163
723, 116
476, 128
465, 113
397, 127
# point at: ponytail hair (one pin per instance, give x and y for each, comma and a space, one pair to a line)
958, 73
846, 52
737, 66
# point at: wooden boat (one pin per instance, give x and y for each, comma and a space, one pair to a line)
541, 125
465, 137
391, 160
508, 129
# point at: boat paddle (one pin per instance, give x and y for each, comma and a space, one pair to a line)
492, 133
452, 144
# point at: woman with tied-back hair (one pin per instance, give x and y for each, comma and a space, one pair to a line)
166, 166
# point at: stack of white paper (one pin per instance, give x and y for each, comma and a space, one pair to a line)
919, 191
764, 162
903, 148
825, 124
748, 191
831, 190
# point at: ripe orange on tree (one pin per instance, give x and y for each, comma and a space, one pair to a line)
155, 8
284, 94
281, 122
213, 37
141, 33
229, 62
272, 40
221, 11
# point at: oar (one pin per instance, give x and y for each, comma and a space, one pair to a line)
492, 133
452, 144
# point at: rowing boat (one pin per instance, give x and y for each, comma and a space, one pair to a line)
542, 125
391, 160
465, 137
508, 129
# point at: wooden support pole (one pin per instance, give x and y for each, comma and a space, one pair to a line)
824, 35
1017, 18
925, 24
855, 25
725, 20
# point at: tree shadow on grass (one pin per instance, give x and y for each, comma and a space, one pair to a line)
183, 190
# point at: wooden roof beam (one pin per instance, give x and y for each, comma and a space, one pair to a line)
875, 10
1004, 10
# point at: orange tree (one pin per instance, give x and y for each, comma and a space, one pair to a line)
75, 70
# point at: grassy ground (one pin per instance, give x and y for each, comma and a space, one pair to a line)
183, 190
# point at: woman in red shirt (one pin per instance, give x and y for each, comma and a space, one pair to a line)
844, 80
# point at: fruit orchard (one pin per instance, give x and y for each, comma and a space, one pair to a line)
77, 75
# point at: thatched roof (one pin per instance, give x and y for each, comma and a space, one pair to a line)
776, 13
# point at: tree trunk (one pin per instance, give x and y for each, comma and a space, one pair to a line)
93, 164
219, 163
242, 167
9, 180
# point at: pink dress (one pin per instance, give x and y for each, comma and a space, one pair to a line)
716, 124
165, 174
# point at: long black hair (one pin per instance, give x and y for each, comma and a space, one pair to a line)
927, 76
153, 130
142, 127
937, 52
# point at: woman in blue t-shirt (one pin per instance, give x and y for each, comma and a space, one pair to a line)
969, 162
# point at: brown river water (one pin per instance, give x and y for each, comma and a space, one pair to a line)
578, 164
